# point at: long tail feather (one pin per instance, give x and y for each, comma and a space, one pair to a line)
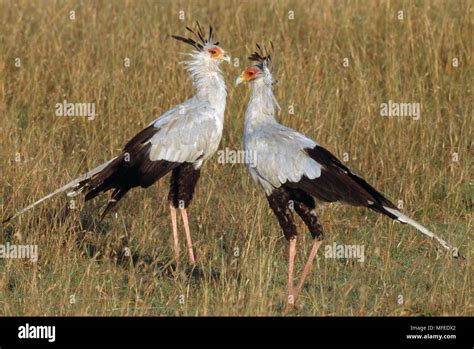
74, 183
405, 219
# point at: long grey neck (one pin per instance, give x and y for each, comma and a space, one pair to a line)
261, 107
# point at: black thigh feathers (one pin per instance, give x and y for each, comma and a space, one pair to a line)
283, 200
182, 184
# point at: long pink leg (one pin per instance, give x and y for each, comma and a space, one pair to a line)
189, 242
291, 267
174, 225
308, 265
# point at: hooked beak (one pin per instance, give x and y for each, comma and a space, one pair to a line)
226, 58
239, 80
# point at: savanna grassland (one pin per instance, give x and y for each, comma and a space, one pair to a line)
123, 265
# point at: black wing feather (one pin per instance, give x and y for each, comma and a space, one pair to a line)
338, 183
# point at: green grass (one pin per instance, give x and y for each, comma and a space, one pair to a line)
82, 61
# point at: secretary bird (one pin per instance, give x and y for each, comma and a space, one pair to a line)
179, 142
292, 169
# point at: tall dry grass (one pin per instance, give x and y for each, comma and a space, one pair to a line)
83, 268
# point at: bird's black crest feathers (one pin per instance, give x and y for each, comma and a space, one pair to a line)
262, 55
200, 38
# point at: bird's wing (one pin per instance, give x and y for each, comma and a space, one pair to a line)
180, 135
188, 133
286, 157
278, 156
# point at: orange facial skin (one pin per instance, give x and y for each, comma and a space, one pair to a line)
216, 53
249, 74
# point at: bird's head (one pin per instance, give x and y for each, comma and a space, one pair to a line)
205, 47
262, 71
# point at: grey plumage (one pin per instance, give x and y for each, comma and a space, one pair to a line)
280, 156
190, 132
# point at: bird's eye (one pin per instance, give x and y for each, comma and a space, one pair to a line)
213, 52
250, 73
